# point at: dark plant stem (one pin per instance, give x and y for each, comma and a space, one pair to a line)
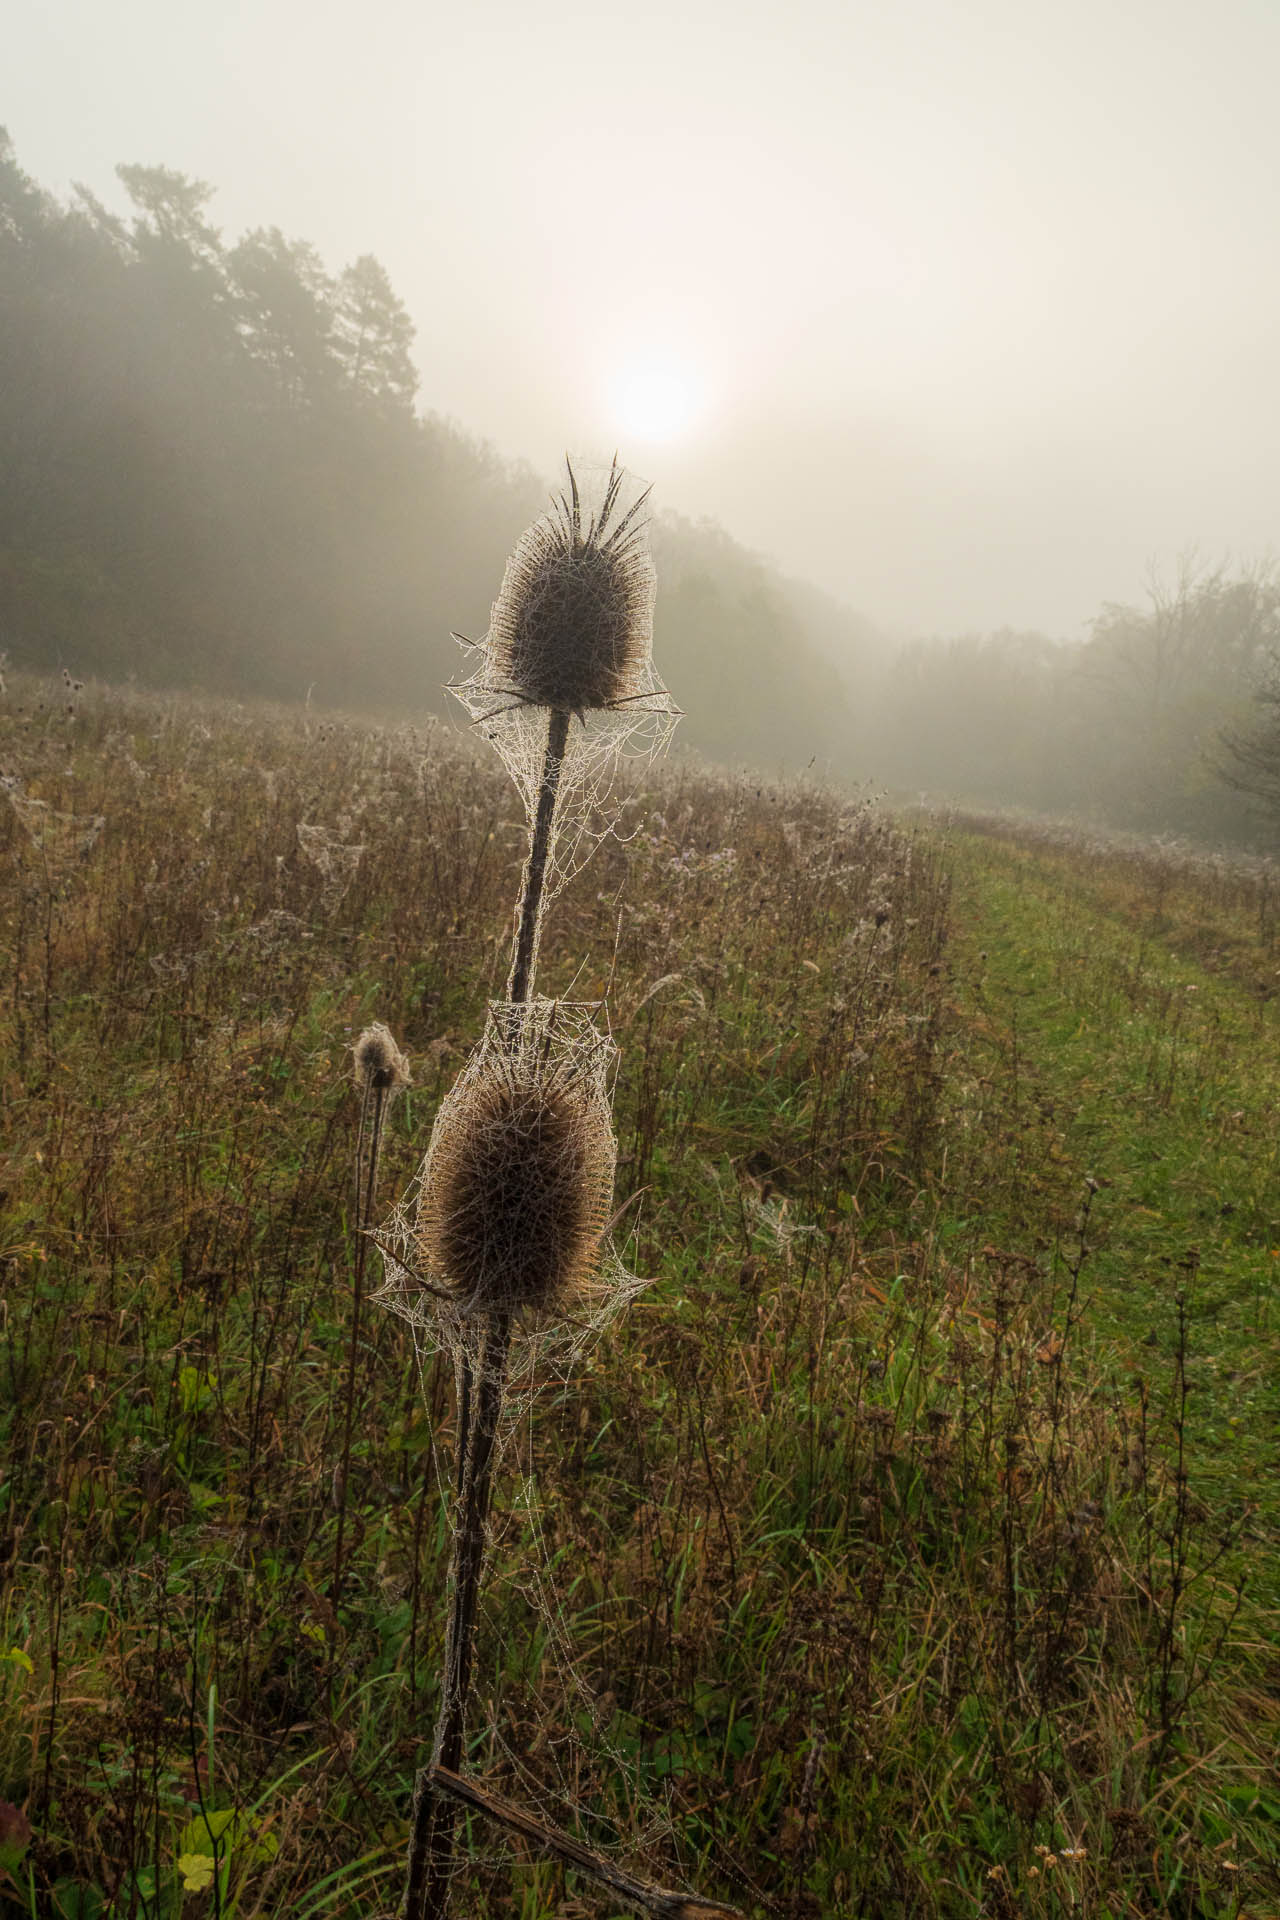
433, 1820
368, 1152
659, 1901
520, 984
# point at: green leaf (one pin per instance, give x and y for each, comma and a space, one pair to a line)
219, 1827
197, 1870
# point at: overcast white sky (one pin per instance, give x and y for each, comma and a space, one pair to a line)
976, 302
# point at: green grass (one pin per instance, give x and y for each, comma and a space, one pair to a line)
1102, 1051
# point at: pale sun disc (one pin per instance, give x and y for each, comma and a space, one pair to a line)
653, 402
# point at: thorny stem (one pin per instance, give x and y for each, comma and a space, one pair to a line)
475, 1506
540, 846
433, 1819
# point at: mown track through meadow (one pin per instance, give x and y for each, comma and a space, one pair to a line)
1092, 1043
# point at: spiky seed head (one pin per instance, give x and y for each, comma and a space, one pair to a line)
572, 627
515, 1202
380, 1065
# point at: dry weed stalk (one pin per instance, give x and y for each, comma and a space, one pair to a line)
381, 1072
515, 1192
565, 679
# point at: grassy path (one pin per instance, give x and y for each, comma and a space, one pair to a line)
1087, 1046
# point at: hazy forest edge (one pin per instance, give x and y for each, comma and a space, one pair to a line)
215, 475
219, 469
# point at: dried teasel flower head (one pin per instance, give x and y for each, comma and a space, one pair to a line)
572, 627
380, 1067
516, 1189
571, 634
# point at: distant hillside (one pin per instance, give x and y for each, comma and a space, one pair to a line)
215, 472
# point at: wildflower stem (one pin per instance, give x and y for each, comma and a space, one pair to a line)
368, 1152
481, 1388
434, 1818
540, 846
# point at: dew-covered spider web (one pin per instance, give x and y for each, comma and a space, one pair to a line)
579, 583
560, 1043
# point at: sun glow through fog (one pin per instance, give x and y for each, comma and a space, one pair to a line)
653, 401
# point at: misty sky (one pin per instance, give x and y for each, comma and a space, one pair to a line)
965, 309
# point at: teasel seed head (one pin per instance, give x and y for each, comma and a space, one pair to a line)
515, 1201
572, 627
379, 1064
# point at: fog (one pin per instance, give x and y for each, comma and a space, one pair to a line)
968, 309
945, 335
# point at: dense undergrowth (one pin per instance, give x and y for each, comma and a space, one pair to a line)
853, 1573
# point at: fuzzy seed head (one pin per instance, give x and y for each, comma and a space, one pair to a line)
518, 1186
380, 1065
572, 627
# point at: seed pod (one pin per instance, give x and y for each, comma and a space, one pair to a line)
380, 1065
572, 627
518, 1181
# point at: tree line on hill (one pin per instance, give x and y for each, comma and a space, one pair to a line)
215, 472
1164, 719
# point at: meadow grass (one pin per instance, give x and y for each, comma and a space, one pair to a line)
856, 1572
1111, 1040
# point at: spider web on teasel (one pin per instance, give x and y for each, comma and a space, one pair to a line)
579, 1767
559, 1041
572, 629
